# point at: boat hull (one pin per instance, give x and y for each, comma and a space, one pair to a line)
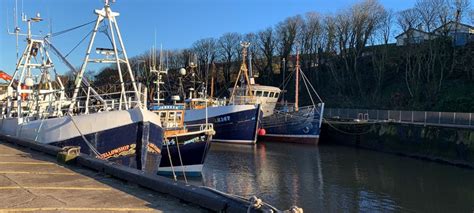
188, 159
233, 123
130, 137
301, 126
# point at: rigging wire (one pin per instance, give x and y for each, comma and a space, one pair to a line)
71, 29
307, 88
314, 90
79, 43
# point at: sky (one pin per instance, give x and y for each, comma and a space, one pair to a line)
177, 23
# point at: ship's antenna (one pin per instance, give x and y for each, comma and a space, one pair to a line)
17, 29
160, 65
167, 55
23, 15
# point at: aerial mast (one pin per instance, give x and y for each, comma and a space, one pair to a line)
104, 14
297, 78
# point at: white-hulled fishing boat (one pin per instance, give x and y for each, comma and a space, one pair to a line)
37, 108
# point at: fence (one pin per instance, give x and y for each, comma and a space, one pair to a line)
417, 117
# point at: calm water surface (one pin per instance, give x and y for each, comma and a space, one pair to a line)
338, 179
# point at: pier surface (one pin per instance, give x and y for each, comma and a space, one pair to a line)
33, 182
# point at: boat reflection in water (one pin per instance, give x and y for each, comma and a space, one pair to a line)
334, 179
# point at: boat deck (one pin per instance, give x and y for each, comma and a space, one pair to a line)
33, 182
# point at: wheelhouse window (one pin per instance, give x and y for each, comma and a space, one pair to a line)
271, 94
265, 94
259, 93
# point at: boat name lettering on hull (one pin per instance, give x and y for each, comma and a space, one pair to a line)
121, 151
153, 148
222, 119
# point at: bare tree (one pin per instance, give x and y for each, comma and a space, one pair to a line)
428, 11
286, 33
460, 8
255, 52
267, 44
329, 34
386, 23
408, 19
311, 39
228, 44
471, 15
206, 53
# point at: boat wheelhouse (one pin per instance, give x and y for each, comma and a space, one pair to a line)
265, 96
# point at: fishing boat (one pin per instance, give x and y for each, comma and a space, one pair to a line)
185, 146
284, 123
233, 123
38, 109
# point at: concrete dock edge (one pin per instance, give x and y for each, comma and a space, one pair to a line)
188, 193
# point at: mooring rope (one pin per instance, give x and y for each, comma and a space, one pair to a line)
181, 161
342, 131
254, 201
91, 147
171, 161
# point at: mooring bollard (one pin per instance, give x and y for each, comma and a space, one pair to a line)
68, 154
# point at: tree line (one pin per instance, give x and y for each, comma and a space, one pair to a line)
349, 56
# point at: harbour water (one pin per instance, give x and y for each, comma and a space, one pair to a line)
338, 179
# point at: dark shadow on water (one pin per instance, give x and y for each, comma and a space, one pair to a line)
337, 178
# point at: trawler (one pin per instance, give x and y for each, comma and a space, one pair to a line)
37, 107
185, 146
284, 124
233, 123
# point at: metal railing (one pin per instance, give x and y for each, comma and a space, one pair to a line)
464, 119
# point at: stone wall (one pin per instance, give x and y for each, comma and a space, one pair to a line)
446, 144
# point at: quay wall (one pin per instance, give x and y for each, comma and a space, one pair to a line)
205, 197
448, 144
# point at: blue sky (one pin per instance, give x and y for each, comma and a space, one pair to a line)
178, 23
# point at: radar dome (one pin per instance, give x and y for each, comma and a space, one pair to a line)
182, 71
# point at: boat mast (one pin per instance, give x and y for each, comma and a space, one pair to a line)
212, 79
106, 13
244, 73
159, 73
284, 82
297, 79
35, 56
